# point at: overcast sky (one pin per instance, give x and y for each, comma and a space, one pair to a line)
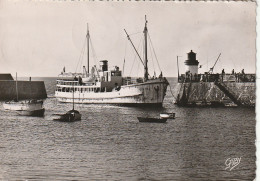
40, 38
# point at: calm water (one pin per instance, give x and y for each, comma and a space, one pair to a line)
110, 144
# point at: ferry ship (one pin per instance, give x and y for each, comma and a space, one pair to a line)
103, 86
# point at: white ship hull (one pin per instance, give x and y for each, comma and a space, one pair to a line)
23, 106
151, 92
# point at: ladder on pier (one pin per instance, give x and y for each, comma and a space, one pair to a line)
228, 93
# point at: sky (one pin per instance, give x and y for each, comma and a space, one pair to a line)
39, 38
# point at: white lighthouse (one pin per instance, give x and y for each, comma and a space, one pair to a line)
191, 65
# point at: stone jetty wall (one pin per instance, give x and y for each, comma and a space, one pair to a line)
26, 90
206, 93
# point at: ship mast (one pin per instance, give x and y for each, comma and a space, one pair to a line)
16, 87
145, 50
178, 68
73, 97
88, 48
145, 53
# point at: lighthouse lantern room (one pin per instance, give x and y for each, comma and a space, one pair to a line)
191, 65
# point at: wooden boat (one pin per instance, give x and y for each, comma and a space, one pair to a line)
167, 115
25, 107
152, 120
70, 116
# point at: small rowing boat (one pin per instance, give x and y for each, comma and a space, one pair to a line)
70, 116
152, 120
167, 115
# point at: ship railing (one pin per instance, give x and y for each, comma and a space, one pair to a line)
216, 78
67, 82
80, 89
132, 80
69, 75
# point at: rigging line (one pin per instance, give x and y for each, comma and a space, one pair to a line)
124, 56
152, 56
93, 51
207, 62
82, 50
82, 53
154, 52
135, 33
138, 68
82, 56
132, 66
128, 37
135, 56
172, 92
94, 56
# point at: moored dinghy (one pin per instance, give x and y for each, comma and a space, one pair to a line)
167, 115
151, 120
70, 116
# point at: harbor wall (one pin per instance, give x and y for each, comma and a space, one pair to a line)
208, 93
6, 77
245, 92
26, 90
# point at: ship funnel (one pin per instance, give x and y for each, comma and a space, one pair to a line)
191, 65
103, 65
